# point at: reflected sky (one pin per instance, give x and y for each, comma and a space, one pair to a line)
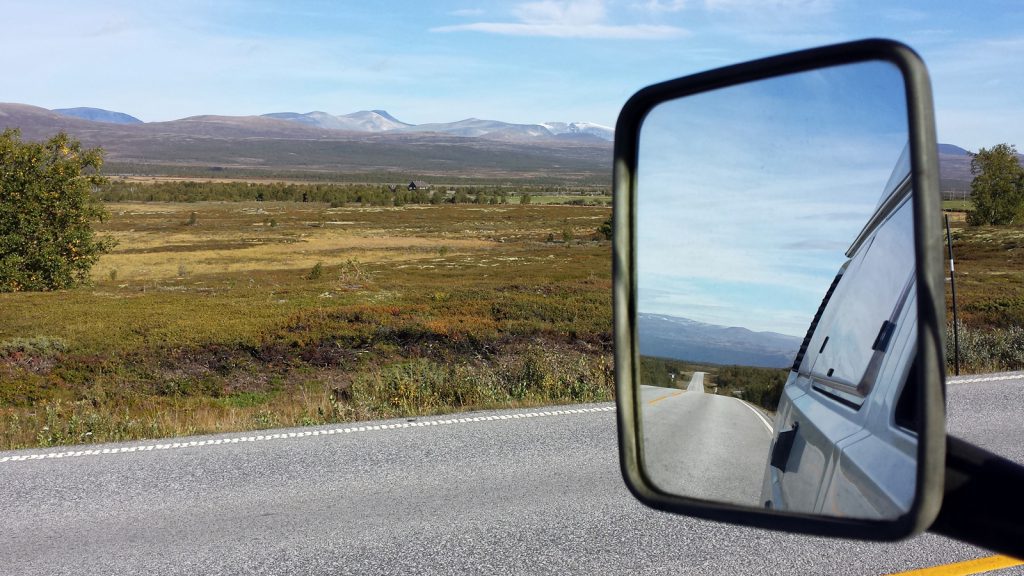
749, 196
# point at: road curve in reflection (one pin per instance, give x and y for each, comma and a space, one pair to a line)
704, 445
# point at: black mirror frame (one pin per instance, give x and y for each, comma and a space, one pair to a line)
930, 283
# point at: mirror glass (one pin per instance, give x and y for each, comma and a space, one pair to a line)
776, 307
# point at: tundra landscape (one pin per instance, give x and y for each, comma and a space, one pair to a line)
216, 316
270, 293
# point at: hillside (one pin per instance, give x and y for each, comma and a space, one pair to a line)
267, 146
98, 115
955, 171
371, 143
683, 339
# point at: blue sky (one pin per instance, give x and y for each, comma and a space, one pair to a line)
446, 60
748, 197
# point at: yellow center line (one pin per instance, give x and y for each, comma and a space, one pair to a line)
976, 566
660, 398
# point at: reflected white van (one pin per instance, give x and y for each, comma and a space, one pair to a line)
845, 441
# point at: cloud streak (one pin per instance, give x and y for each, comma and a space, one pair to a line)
662, 6
761, 7
567, 19
634, 32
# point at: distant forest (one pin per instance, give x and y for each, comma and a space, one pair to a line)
333, 194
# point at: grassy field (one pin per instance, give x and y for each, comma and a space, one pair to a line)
990, 295
216, 316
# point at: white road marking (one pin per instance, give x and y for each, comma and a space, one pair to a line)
984, 378
757, 413
304, 434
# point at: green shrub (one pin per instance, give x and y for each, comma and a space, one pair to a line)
37, 346
46, 213
761, 386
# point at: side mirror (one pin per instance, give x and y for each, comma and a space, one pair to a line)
779, 296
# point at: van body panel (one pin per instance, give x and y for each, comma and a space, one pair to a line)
849, 457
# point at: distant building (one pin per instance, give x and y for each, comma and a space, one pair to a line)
418, 185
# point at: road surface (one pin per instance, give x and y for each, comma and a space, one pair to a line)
486, 493
696, 383
703, 445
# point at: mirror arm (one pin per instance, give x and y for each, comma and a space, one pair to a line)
983, 503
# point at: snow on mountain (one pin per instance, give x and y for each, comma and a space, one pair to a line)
374, 121
474, 127
602, 132
318, 119
381, 121
362, 121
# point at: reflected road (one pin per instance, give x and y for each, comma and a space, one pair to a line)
696, 383
704, 445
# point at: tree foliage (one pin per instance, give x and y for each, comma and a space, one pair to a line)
997, 190
46, 213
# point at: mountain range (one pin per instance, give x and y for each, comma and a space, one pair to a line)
370, 144
688, 340
381, 121
98, 115
305, 145
955, 171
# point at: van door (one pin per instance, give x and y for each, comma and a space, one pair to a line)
842, 363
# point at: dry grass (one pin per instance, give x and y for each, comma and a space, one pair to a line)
990, 294
218, 322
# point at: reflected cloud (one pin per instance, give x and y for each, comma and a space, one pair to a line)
749, 197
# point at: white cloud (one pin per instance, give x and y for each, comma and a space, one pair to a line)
977, 90
467, 12
567, 19
636, 32
770, 6
554, 12
661, 6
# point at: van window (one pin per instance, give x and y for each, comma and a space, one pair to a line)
860, 317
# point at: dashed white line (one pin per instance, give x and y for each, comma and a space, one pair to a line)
304, 434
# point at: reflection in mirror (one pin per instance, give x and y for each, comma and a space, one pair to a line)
776, 305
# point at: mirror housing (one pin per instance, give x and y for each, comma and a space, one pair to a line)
930, 313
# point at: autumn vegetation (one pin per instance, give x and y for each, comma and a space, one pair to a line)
234, 315
143, 309
47, 212
988, 247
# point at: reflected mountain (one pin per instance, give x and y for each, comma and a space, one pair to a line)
683, 339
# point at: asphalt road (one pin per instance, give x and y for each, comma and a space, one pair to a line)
486, 493
703, 445
696, 383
